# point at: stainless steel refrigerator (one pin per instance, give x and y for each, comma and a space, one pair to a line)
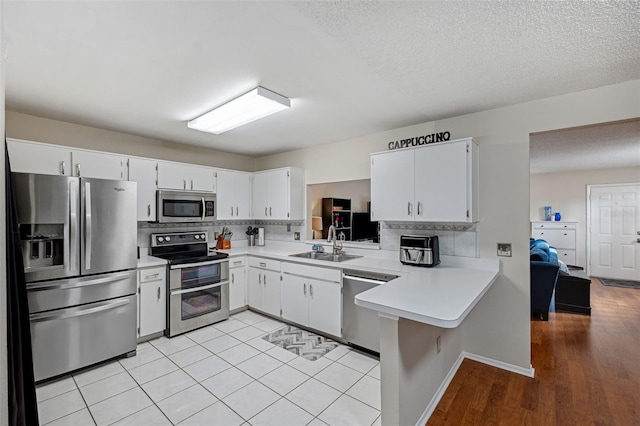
79, 244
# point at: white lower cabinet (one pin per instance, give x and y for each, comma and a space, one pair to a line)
152, 300
264, 285
312, 297
237, 283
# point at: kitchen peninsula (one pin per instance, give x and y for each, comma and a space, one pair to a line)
422, 319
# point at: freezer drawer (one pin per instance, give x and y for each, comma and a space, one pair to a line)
58, 294
67, 339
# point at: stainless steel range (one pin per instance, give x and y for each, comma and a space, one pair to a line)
198, 281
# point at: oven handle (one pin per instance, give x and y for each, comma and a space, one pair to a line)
205, 263
194, 289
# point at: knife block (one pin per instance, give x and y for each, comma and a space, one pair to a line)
221, 244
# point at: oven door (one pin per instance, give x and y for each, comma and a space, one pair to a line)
183, 206
198, 295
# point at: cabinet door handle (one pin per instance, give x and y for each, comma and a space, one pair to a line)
305, 288
184, 184
259, 278
62, 167
191, 184
265, 212
150, 277
419, 205
311, 290
238, 262
231, 211
262, 264
233, 276
270, 212
78, 169
409, 208
149, 210
158, 293
265, 279
236, 211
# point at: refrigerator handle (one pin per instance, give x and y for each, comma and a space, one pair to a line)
73, 227
87, 224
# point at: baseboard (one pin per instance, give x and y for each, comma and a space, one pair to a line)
529, 372
440, 392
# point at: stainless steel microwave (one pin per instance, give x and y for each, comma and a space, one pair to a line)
186, 206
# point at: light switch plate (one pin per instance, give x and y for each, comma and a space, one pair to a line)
504, 249
296, 236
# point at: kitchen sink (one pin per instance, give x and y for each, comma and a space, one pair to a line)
329, 257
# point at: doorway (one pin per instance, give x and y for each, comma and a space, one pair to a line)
613, 231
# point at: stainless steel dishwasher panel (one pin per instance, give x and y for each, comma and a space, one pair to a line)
361, 327
68, 339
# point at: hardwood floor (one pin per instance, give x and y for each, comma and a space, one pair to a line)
587, 372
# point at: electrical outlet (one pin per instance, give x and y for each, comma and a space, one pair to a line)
296, 236
504, 249
438, 344
288, 227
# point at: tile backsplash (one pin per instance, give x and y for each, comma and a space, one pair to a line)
456, 239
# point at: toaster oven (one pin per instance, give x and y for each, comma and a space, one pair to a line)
419, 250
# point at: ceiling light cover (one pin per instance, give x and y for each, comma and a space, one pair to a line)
251, 106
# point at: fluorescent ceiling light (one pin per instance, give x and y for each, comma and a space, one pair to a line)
244, 109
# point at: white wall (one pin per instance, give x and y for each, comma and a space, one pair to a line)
4, 397
29, 127
567, 193
498, 327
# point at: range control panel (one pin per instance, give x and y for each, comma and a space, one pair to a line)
178, 238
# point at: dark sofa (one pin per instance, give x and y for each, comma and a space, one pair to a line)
544, 275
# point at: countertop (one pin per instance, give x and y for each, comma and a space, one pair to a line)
440, 296
147, 261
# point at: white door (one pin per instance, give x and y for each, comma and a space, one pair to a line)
392, 185
441, 182
243, 195
226, 194
98, 165
271, 293
279, 194
172, 175
237, 288
201, 179
614, 224
152, 301
260, 195
254, 288
325, 306
27, 157
144, 172
295, 292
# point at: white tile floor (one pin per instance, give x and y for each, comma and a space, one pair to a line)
224, 374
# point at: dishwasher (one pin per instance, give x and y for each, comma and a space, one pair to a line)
361, 327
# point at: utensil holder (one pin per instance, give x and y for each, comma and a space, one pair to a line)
252, 240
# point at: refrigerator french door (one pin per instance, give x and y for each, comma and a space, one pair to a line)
79, 243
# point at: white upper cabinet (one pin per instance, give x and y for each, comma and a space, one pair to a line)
145, 173
33, 157
234, 195
181, 176
98, 165
392, 183
434, 183
278, 194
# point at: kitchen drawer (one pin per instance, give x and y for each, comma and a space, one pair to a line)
557, 238
262, 263
553, 225
152, 274
567, 256
237, 262
324, 274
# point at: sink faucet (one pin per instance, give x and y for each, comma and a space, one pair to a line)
337, 247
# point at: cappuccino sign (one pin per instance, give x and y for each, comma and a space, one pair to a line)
420, 140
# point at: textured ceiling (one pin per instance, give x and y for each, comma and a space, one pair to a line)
586, 148
351, 68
